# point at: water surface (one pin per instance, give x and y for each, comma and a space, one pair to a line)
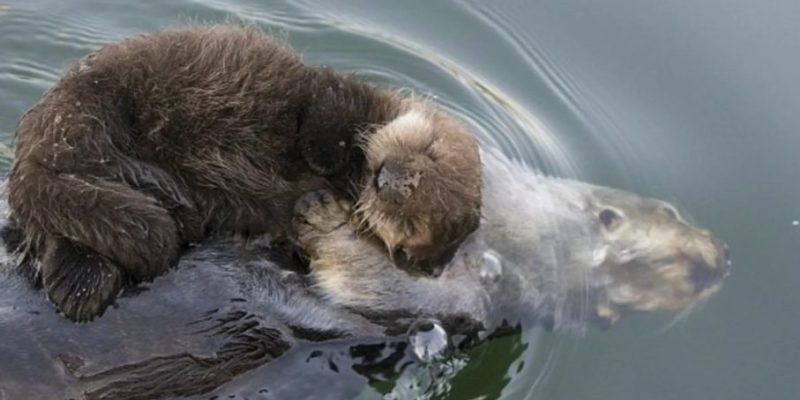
695, 102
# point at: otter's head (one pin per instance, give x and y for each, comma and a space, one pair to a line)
575, 252
652, 257
422, 195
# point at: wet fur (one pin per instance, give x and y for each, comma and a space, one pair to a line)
560, 266
158, 141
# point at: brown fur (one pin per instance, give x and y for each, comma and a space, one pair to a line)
160, 140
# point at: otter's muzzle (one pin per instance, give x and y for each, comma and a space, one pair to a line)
704, 275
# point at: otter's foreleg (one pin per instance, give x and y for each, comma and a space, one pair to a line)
91, 233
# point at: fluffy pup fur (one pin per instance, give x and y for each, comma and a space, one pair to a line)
158, 141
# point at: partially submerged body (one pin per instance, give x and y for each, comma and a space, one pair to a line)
548, 252
562, 251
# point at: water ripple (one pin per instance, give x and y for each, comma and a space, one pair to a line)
280, 15
581, 103
501, 120
505, 122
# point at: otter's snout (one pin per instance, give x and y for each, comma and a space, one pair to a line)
704, 275
395, 182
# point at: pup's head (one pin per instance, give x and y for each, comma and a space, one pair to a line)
422, 194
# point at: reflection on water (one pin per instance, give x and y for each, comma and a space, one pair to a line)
694, 104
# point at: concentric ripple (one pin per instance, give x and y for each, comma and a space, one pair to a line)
39, 40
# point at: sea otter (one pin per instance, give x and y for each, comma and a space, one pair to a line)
161, 140
552, 252
562, 250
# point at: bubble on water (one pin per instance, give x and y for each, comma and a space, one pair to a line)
491, 266
428, 339
795, 223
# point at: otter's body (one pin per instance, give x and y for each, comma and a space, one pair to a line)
560, 251
158, 141
547, 252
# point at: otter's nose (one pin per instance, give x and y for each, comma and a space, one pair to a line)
704, 275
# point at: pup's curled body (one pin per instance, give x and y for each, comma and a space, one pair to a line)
158, 141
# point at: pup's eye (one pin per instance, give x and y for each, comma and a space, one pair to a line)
401, 256
608, 217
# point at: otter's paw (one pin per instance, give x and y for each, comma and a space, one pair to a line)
80, 282
319, 211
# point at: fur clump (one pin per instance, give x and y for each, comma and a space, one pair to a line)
161, 140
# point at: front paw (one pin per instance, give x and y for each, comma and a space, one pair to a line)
80, 282
319, 211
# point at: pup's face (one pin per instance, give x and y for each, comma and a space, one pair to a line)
423, 192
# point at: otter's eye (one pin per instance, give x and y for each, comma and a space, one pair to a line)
608, 217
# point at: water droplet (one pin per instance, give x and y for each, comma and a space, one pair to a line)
428, 339
491, 266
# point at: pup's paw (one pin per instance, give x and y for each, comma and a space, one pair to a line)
80, 282
319, 211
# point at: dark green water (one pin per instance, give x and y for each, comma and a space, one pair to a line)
696, 102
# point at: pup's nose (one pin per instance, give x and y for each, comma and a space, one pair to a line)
386, 174
395, 183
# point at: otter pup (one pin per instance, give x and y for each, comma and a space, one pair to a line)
158, 141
